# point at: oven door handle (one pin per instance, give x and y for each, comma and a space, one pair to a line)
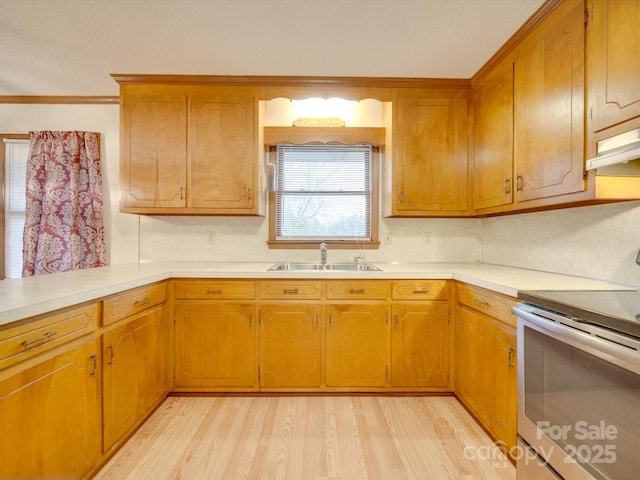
581, 336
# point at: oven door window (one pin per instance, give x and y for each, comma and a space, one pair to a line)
587, 406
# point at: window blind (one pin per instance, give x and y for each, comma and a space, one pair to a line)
323, 192
16, 155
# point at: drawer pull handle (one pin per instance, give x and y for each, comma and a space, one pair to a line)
142, 301
420, 291
290, 290
46, 336
484, 303
357, 290
214, 291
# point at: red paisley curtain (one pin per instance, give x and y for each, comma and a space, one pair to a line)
64, 226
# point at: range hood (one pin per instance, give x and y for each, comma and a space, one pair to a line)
619, 155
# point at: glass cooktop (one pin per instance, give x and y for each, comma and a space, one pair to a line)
618, 310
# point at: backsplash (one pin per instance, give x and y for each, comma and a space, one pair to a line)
599, 241
244, 239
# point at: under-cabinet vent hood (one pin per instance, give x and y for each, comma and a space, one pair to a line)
619, 155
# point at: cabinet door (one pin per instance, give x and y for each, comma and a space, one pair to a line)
136, 373
153, 151
612, 62
420, 345
549, 106
215, 345
485, 372
357, 345
50, 417
290, 345
493, 138
430, 156
222, 150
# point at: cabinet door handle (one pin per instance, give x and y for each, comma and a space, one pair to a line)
250, 320
290, 290
330, 320
396, 321
141, 301
510, 362
507, 185
249, 194
214, 291
46, 336
417, 291
317, 322
112, 350
94, 357
519, 183
401, 196
181, 193
357, 290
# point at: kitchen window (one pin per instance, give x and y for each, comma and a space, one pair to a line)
324, 193
13, 171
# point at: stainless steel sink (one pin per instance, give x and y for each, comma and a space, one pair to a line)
295, 266
348, 267
354, 267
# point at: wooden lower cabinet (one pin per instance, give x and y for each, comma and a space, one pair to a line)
420, 344
291, 345
136, 373
357, 344
485, 371
215, 346
50, 416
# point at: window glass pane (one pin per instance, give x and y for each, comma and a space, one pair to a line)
323, 192
325, 216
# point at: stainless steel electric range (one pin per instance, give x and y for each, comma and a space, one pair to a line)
578, 385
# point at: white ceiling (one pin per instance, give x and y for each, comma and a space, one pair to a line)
70, 47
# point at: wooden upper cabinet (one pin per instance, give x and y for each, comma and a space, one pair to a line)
428, 169
493, 138
153, 150
190, 150
222, 151
613, 49
549, 106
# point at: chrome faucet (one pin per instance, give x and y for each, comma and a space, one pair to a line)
323, 255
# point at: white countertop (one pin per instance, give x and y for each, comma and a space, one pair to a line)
26, 297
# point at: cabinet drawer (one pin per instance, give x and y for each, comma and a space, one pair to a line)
296, 290
213, 290
492, 304
133, 301
420, 290
358, 290
29, 339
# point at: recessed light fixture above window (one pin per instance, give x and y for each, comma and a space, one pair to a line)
332, 109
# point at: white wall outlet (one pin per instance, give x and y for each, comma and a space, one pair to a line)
427, 238
388, 238
211, 237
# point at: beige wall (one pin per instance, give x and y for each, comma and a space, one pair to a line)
599, 241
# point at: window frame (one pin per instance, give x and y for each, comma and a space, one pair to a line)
3, 136
373, 243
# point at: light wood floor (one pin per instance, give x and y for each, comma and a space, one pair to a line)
307, 438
